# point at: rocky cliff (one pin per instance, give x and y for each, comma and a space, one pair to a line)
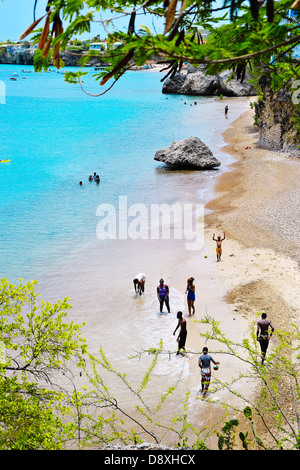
197, 83
26, 58
277, 115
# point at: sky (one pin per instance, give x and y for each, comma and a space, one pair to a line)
17, 15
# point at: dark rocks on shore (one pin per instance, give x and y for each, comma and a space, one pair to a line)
278, 118
197, 83
26, 57
187, 154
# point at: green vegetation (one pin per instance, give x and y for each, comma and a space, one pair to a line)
43, 360
242, 35
54, 394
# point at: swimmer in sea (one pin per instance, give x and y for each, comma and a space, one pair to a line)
219, 246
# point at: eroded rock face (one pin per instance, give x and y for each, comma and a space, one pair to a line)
190, 153
199, 84
27, 58
278, 119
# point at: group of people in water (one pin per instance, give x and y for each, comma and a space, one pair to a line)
163, 297
94, 177
264, 326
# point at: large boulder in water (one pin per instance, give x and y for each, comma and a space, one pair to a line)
190, 153
198, 83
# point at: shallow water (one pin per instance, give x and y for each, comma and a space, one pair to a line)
56, 136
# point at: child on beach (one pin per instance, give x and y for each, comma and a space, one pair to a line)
219, 246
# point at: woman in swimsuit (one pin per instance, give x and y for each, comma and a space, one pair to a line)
190, 291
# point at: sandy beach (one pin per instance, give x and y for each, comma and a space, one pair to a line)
255, 201
256, 204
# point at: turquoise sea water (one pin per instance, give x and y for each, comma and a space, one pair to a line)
55, 136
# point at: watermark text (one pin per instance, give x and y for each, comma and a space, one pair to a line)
158, 222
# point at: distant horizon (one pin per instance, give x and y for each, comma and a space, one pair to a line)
30, 40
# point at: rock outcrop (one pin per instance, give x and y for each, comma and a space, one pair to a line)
199, 84
190, 153
26, 58
278, 119
17, 58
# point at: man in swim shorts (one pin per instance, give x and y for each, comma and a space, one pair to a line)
181, 339
262, 334
204, 363
163, 295
139, 283
219, 246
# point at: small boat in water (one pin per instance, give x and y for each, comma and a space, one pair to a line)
4, 161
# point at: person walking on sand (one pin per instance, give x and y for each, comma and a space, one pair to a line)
163, 295
139, 283
219, 246
190, 291
226, 110
181, 339
262, 334
204, 363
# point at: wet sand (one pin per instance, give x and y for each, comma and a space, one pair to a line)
257, 205
255, 202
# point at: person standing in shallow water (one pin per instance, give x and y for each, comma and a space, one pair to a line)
190, 291
163, 295
181, 339
204, 363
262, 334
139, 283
